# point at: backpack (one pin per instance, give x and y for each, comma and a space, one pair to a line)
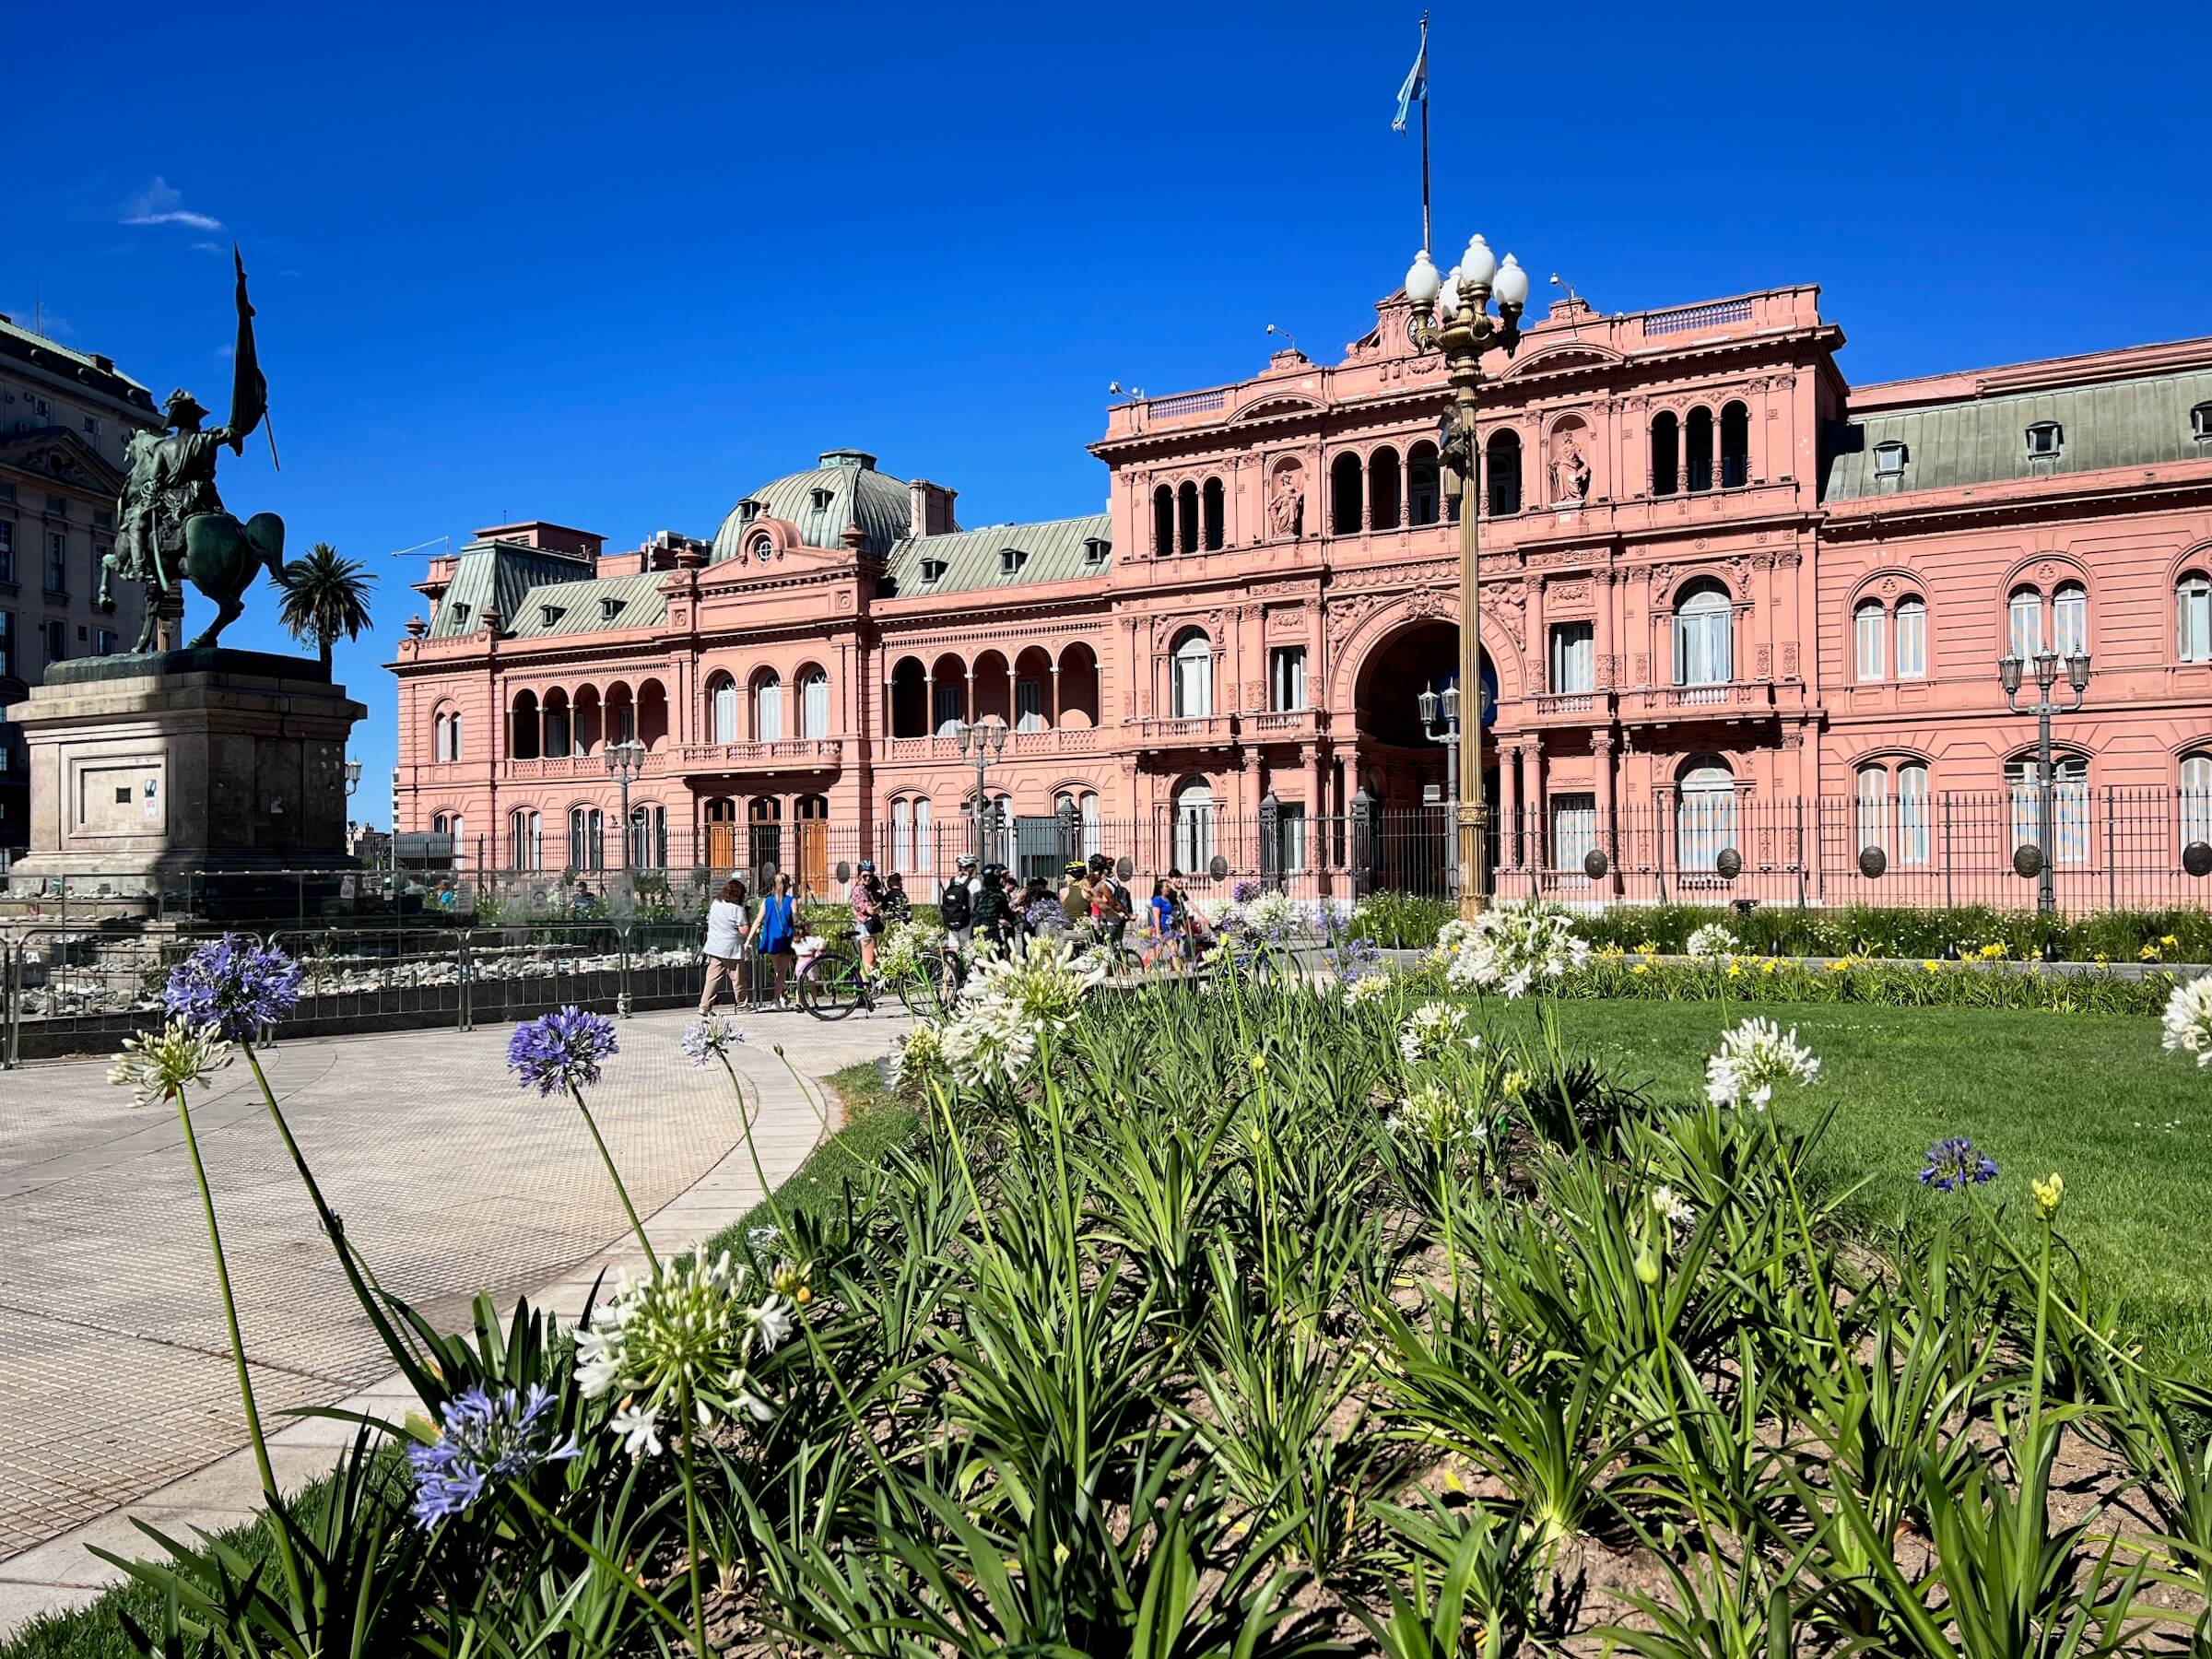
1123, 906
956, 906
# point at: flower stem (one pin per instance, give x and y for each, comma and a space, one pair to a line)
622, 1575
615, 1175
238, 1355
699, 1600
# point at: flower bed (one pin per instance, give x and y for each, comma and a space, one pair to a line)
1240, 1315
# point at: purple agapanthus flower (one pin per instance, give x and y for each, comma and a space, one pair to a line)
560, 1050
1953, 1166
237, 986
1246, 891
486, 1442
709, 1037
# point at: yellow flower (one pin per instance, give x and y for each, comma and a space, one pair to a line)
1931, 964
1735, 969
1770, 965
2101, 961
2048, 1194
2168, 940
2149, 953
1641, 968
1259, 1063
1841, 965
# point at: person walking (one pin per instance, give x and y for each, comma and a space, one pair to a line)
773, 929
866, 897
992, 918
956, 908
724, 944
1167, 940
897, 906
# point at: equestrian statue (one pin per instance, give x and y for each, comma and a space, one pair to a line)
171, 525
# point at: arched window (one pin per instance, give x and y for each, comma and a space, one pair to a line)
2193, 617
926, 846
1502, 455
560, 729
2024, 623
1343, 495
1163, 522
814, 704
1382, 481
1186, 518
1704, 643
438, 739
1191, 691
1868, 626
452, 749
1704, 813
1697, 444
722, 710
2070, 804
768, 707
1423, 486
525, 839
2196, 798
1193, 807
1911, 637
2070, 618
587, 839
1873, 808
1212, 510
1912, 814
1736, 446
1666, 433
649, 836
902, 835
523, 733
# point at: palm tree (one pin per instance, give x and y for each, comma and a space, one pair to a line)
325, 596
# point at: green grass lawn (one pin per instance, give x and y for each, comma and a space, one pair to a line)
876, 1122
2088, 1095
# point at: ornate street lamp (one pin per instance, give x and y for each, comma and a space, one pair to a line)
981, 741
625, 760
2009, 669
353, 778
1451, 315
1430, 703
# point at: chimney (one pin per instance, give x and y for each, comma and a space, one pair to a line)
929, 507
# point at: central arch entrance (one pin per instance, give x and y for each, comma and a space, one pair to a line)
1405, 774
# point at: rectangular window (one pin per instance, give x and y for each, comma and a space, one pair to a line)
1574, 656
1287, 669
1912, 814
1290, 840
1874, 809
1573, 829
2070, 621
2026, 634
57, 562
7, 551
1866, 640
103, 643
1911, 639
57, 640
2193, 617
8, 642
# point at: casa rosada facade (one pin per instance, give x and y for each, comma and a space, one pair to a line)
1728, 600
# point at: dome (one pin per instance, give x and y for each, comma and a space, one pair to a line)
846, 488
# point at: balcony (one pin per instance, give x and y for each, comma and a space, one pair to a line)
799, 754
1732, 700
1573, 708
1197, 731
1280, 725
576, 766
1020, 745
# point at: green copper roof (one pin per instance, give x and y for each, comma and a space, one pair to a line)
1984, 441
497, 574
603, 605
844, 489
1056, 550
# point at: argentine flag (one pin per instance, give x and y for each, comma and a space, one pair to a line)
1416, 89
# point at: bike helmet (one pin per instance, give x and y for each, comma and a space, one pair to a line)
966, 861
867, 866
1074, 869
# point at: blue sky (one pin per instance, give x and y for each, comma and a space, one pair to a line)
615, 269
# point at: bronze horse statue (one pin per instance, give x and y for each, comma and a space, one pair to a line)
221, 558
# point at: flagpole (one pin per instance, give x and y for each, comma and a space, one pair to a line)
1424, 59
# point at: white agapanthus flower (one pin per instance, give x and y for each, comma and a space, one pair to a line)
1513, 949
1754, 1057
1428, 1030
155, 1066
1009, 1003
2188, 1019
1370, 987
1440, 1117
1713, 940
686, 1332
1273, 916
919, 1056
1674, 1206
915, 946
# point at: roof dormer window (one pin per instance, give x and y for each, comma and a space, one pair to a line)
2045, 439
821, 496
1095, 548
609, 609
2200, 423
1011, 560
748, 511
1890, 459
932, 569
549, 614
460, 617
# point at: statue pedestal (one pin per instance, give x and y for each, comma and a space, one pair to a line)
146, 769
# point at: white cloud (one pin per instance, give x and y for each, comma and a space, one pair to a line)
209, 248
160, 203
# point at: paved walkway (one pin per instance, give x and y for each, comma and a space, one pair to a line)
113, 1354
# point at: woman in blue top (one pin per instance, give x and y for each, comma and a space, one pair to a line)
1166, 946
772, 930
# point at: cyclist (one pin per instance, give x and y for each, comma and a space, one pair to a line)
956, 908
866, 897
1075, 895
994, 913
1110, 908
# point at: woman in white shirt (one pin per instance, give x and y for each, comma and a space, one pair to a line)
725, 934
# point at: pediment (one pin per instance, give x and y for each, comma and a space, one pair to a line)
1271, 406
59, 453
1565, 358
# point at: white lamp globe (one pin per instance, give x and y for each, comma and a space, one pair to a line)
1421, 282
1511, 285
1447, 299
1478, 264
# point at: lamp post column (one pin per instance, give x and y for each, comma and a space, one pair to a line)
1467, 747
2046, 885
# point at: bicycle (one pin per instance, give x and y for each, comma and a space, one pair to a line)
830, 983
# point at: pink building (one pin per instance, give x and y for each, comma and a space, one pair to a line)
1728, 600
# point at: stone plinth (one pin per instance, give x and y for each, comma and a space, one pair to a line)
146, 768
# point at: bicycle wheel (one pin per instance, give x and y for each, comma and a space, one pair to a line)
922, 994
828, 989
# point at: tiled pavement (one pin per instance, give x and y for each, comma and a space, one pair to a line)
113, 1354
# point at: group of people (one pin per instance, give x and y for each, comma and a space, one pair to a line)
989, 904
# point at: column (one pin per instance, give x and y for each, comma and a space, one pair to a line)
1508, 805
929, 701
1539, 641
1056, 698
1603, 588
1601, 768
1013, 694
970, 716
